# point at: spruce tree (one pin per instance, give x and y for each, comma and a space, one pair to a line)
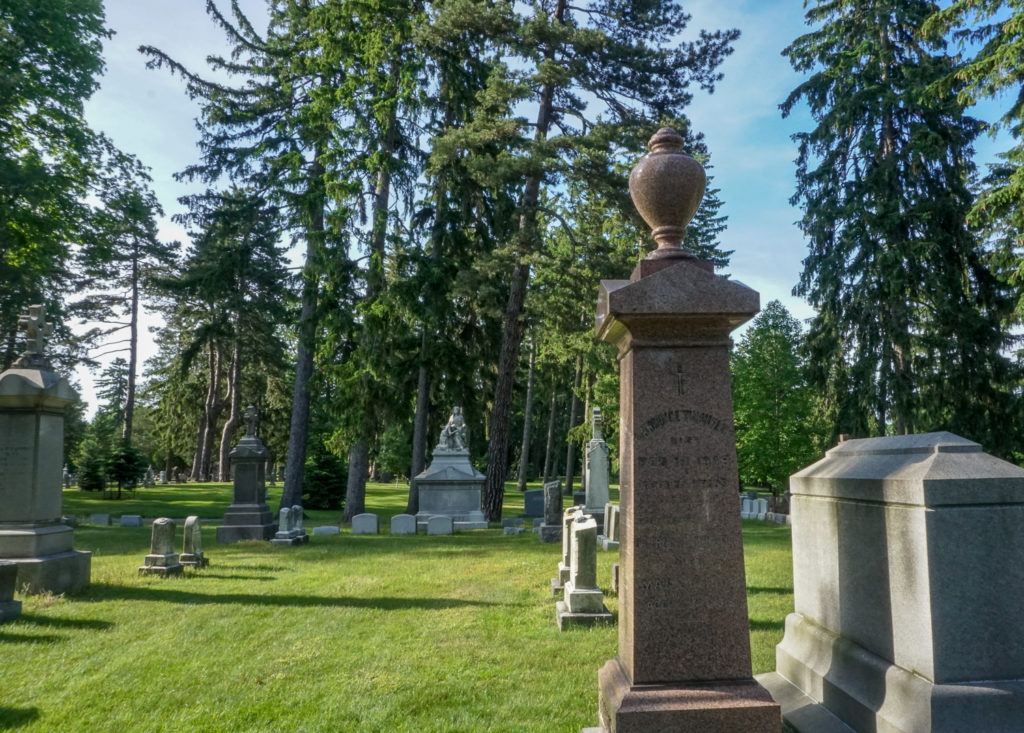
908, 334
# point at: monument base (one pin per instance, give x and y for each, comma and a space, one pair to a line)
227, 534
567, 618
164, 571
9, 610
549, 533
703, 707
291, 541
62, 572
194, 560
867, 692
557, 587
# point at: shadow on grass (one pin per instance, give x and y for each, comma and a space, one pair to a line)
11, 718
6, 638
203, 574
104, 592
754, 590
762, 625
67, 623
260, 568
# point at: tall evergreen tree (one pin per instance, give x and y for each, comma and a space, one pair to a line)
908, 334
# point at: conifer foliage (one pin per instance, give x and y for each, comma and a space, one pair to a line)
909, 332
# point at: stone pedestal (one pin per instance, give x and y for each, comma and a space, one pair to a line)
684, 644
583, 602
451, 487
565, 563
33, 401
248, 517
908, 585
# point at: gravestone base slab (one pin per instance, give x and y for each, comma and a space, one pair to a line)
557, 587
62, 572
800, 712
703, 707
290, 541
194, 560
549, 533
164, 571
226, 534
567, 619
9, 610
868, 692
459, 526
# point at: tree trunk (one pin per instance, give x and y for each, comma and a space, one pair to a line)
355, 494
419, 430
529, 240
201, 467
570, 452
298, 435
550, 449
133, 349
235, 400
524, 450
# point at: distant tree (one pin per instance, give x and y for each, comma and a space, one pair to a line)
909, 333
778, 427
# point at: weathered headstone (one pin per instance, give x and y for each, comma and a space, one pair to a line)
67, 477
583, 601
609, 540
326, 529
149, 479
451, 486
533, 503
163, 477
103, 520
565, 563
365, 523
9, 608
440, 524
595, 465
248, 517
192, 550
298, 524
551, 529
747, 508
162, 559
683, 661
33, 403
403, 524
287, 533
761, 509
131, 520
907, 587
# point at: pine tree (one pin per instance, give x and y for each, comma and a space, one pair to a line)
909, 317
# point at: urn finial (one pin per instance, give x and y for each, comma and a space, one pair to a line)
666, 187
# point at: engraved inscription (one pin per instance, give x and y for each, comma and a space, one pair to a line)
675, 416
15, 460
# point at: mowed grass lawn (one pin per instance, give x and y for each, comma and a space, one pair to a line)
348, 633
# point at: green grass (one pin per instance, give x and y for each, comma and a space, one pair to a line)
368, 633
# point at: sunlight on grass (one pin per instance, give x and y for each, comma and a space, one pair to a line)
367, 633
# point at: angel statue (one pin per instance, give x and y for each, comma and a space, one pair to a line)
453, 437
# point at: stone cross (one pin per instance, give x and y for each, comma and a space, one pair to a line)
35, 328
250, 420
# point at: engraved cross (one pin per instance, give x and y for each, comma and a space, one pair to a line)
680, 380
35, 328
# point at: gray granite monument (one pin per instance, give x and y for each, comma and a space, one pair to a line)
551, 529
248, 517
450, 486
33, 403
162, 559
908, 587
595, 467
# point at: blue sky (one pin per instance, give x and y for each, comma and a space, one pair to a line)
147, 113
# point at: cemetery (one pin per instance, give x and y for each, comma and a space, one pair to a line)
462, 420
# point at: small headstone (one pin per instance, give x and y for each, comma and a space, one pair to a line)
403, 524
67, 478
568, 517
9, 608
327, 529
439, 524
131, 520
761, 508
511, 522
101, 519
551, 528
162, 559
583, 601
192, 552
610, 539
286, 533
595, 467
149, 479
747, 508
297, 524
364, 524
533, 503
163, 477
514, 530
